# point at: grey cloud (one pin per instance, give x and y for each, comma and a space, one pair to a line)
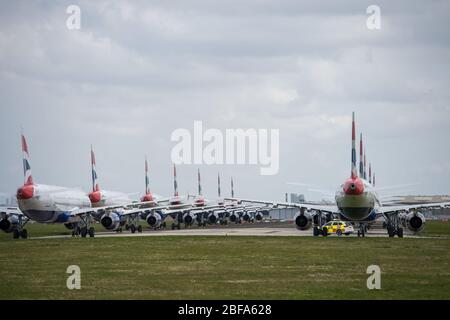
138, 70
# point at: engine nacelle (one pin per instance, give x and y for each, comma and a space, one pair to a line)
189, 218
213, 217
259, 215
414, 221
154, 220
110, 221
248, 215
303, 220
9, 223
235, 216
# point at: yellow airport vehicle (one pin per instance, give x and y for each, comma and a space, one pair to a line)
337, 227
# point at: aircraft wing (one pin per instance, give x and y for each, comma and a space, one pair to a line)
324, 208
396, 209
82, 211
10, 211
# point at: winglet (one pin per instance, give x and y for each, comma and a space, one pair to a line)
28, 177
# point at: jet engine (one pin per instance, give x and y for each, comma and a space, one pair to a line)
259, 215
414, 221
248, 216
213, 217
110, 221
189, 218
9, 223
303, 220
154, 219
235, 216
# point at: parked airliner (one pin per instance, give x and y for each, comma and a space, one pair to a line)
357, 201
53, 204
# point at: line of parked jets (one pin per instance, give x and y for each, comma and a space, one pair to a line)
356, 201
116, 210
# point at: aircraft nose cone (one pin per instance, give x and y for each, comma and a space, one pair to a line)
25, 192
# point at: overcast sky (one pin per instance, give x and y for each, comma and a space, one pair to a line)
138, 70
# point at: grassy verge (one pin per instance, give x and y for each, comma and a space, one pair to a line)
225, 268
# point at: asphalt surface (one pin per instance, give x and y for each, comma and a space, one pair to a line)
285, 230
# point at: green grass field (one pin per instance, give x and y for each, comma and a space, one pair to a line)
178, 267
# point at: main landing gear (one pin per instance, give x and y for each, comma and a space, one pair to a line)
362, 230
19, 231
133, 223
84, 227
176, 225
393, 226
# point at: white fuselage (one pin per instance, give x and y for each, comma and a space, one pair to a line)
112, 198
51, 204
358, 207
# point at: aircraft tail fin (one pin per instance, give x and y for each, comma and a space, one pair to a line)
354, 174
370, 173
95, 185
365, 171
232, 188
147, 180
218, 185
28, 177
175, 185
199, 183
361, 168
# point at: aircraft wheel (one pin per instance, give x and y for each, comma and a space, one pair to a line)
16, 234
390, 231
324, 231
400, 232
139, 228
83, 232
133, 228
127, 227
315, 231
339, 233
24, 234
359, 233
91, 232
